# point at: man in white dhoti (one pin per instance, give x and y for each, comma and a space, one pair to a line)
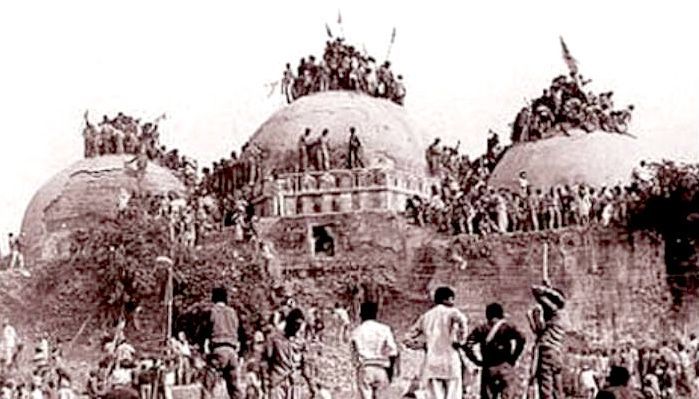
444, 329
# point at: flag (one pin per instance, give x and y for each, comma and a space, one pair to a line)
339, 17
393, 35
327, 29
568, 58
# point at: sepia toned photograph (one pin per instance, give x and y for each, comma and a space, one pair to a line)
349, 200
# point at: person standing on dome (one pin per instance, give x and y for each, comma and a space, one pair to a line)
433, 155
287, 81
398, 90
354, 159
107, 133
303, 150
89, 133
323, 153
16, 256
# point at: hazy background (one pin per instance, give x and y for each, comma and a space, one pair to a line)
467, 67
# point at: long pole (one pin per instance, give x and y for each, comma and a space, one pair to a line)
169, 289
169, 301
545, 265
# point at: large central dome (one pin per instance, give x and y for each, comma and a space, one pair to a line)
387, 134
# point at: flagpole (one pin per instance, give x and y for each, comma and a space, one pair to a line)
169, 290
545, 265
169, 301
390, 44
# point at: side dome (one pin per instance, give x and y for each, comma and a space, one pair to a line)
388, 136
80, 194
597, 159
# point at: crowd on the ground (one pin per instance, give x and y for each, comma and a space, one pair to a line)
280, 357
661, 370
125, 134
48, 377
343, 67
565, 105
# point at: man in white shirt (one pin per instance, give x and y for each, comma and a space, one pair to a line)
9, 341
444, 329
374, 352
343, 321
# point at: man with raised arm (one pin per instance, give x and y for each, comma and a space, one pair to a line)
547, 324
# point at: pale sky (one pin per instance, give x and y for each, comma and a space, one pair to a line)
468, 67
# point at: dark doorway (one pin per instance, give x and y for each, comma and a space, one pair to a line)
323, 242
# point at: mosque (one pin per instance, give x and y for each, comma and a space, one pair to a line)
325, 225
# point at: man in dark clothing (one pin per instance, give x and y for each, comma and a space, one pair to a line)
618, 380
354, 159
224, 343
303, 148
498, 357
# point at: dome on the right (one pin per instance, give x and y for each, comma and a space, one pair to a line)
597, 159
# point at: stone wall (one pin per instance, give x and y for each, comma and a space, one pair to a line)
615, 282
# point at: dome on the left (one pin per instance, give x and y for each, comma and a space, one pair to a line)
81, 194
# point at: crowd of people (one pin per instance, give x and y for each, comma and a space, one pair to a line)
661, 369
464, 202
564, 106
191, 219
48, 377
343, 67
125, 134
271, 361
280, 358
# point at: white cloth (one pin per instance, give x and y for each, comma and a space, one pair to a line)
342, 315
374, 343
121, 376
66, 393
587, 380
125, 352
445, 389
523, 183
9, 337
